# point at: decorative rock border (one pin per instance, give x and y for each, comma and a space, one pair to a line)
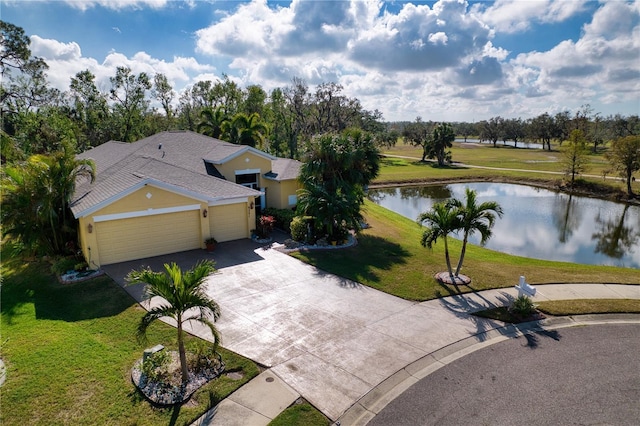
79, 276
3, 372
446, 278
166, 394
291, 246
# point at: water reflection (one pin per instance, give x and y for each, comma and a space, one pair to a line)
539, 223
566, 216
614, 238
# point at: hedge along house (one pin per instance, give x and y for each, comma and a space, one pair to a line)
171, 191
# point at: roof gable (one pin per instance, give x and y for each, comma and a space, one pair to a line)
172, 159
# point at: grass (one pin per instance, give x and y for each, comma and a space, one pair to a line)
300, 415
528, 163
589, 306
569, 307
69, 350
389, 257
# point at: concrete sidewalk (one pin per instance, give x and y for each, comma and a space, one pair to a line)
344, 347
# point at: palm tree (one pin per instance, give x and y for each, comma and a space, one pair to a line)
245, 130
50, 181
184, 300
212, 121
475, 217
441, 220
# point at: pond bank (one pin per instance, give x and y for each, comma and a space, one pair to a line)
582, 188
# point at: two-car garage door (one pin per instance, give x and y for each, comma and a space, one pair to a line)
136, 238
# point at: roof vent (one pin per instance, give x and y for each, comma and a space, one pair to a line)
160, 146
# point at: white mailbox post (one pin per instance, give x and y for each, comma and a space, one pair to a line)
525, 289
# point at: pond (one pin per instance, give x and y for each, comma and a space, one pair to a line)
520, 144
538, 223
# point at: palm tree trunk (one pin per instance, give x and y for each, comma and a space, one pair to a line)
462, 253
446, 256
181, 351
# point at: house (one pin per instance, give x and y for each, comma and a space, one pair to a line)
171, 191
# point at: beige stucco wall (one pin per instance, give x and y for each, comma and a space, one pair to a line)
278, 193
246, 161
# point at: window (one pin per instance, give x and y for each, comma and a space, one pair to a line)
249, 180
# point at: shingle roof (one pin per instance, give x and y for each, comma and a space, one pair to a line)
181, 160
284, 169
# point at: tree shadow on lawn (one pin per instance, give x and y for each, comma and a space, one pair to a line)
359, 263
97, 298
464, 307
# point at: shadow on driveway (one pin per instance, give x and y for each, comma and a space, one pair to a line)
226, 254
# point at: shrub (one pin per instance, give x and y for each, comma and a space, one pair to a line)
155, 367
523, 306
64, 264
300, 228
265, 226
283, 217
201, 355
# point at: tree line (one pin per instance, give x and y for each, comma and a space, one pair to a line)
36, 117
544, 128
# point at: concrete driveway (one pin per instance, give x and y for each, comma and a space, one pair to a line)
332, 340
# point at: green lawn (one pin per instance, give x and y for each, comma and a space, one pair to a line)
525, 161
389, 257
69, 349
300, 415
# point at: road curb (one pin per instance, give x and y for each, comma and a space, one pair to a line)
367, 407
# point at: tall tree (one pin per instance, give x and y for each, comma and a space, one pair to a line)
299, 102
419, 133
254, 101
278, 115
24, 79
574, 155
513, 129
163, 93
624, 158
90, 110
542, 128
491, 130
474, 217
441, 139
185, 300
129, 92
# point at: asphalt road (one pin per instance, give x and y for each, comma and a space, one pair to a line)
572, 376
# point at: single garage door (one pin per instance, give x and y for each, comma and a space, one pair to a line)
140, 237
228, 222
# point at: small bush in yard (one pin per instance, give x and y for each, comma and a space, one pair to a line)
523, 306
155, 367
300, 229
283, 217
265, 226
64, 264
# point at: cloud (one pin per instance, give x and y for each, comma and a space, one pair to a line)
419, 38
508, 16
485, 71
65, 60
597, 64
442, 61
116, 4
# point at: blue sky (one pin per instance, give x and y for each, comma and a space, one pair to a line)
445, 60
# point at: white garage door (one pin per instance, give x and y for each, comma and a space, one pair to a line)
140, 237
